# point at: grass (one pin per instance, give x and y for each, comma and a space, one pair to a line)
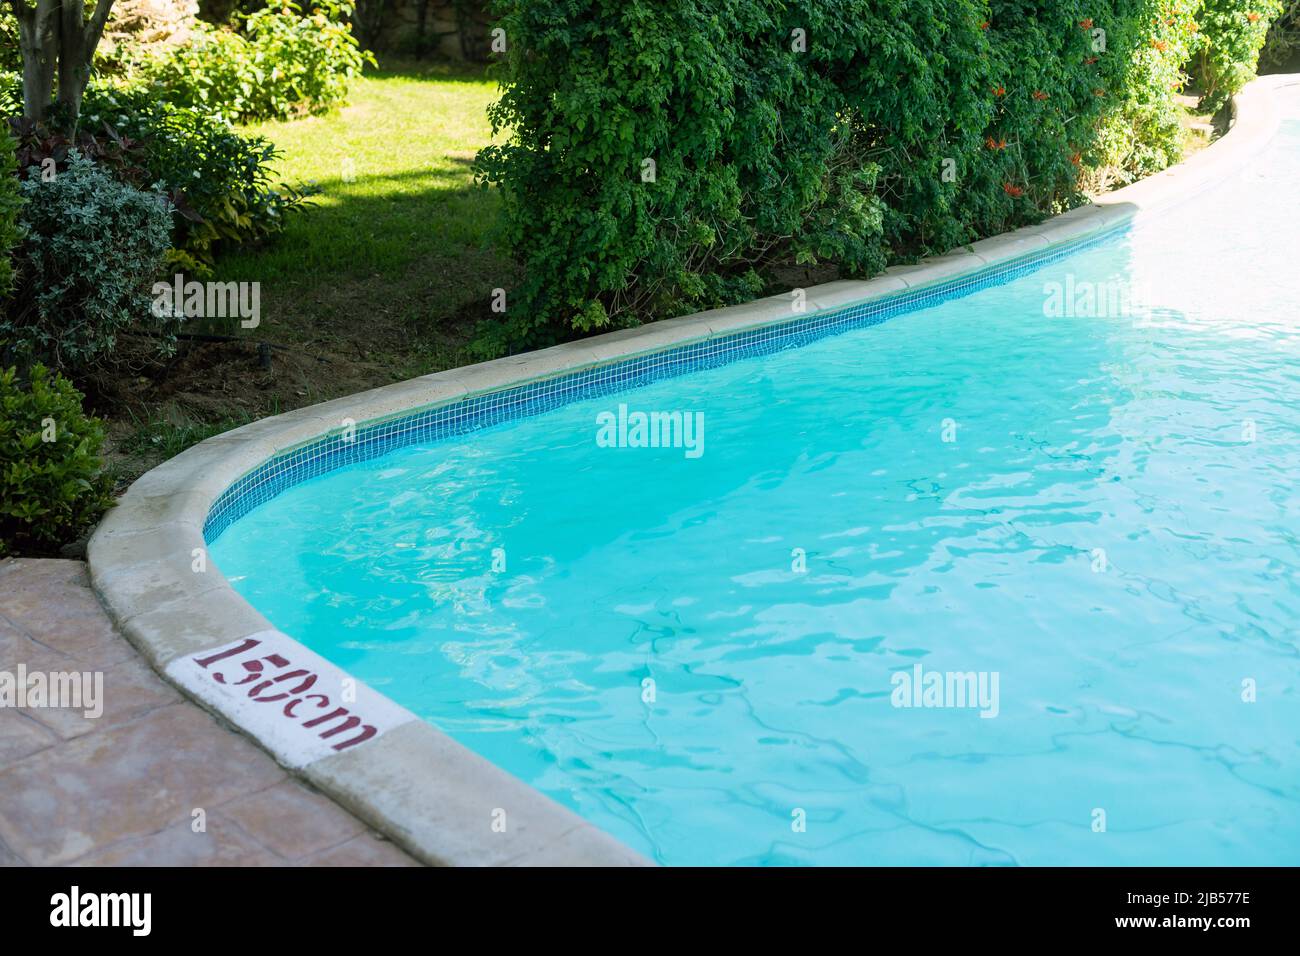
384, 278
169, 439
397, 245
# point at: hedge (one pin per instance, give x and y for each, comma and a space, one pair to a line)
53, 486
663, 155
10, 203
91, 249
1232, 32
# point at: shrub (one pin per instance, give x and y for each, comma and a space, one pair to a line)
1145, 133
52, 483
10, 203
1232, 33
11, 93
1283, 36
91, 251
282, 64
11, 60
841, 132
219, 180
38, 145
11, 65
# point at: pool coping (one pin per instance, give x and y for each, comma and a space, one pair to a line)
434, 797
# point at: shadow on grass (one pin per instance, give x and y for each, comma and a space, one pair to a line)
386, 273
408, 68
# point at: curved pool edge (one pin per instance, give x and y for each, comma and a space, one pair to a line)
437, 799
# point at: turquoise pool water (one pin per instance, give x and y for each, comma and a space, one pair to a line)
698, 653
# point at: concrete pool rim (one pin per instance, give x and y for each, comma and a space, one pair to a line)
437, 799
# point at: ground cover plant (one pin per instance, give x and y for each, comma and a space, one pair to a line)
52, 483
281, 61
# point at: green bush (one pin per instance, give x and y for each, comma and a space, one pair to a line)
11, 93
52, 483
899, 129
1145, 133
10, 204
11, 65
1283, 36
1232, 33
91, 251
281, 64
220, 179
11, 60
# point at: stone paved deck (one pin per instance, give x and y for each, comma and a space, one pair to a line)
122, 789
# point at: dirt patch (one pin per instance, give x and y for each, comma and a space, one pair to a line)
218, 384
318, 343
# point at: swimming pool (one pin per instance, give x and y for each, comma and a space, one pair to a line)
1076, 486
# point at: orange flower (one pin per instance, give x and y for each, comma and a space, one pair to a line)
1011, 190
999, 91
1086, 24
1040, 95
992, 143
984, 25
1252, 16
1160, 45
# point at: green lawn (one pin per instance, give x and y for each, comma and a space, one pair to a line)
394, 254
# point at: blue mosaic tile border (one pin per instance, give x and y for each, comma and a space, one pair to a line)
480, 411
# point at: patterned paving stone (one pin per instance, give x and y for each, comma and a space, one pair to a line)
125, 782
51, 601
9, 858
277, 818
221, 843
119, 790
20, 737
129, 690
15, 646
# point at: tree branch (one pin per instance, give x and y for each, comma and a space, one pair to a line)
34, 16
95, 28
38, 38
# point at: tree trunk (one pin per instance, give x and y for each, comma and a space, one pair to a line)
80, 37
38, 34
74, 65
56, 39
421, 25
